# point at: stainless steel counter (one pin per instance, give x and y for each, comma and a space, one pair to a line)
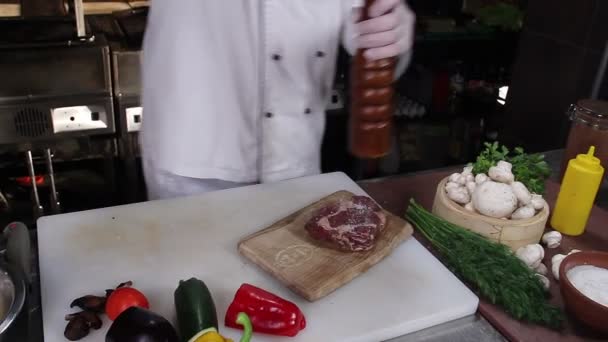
473, 328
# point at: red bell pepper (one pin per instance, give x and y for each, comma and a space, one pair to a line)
269, 313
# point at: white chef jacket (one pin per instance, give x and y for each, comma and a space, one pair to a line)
236, 89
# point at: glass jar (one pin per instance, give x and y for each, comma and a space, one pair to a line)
589, 127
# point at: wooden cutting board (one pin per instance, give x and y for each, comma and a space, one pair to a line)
309, 268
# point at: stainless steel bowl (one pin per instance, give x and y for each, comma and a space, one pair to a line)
12, 295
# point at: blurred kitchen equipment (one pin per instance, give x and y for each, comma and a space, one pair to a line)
132, 24
583, 308
601, 74
577, 194
27, 180
55, 205
55, 91
37, 30
60, 89
18, 247
126, 74
3, 202
59, 86
38, 209
127, 91
371, 103
43, 7
125, 31
12, 295
589, 128
79, 14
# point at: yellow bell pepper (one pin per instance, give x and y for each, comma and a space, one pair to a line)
211, 334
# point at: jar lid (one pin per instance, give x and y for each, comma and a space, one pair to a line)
593, 113
597, 107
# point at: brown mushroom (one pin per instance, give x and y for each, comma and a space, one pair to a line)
76, 329
90, 303
90, 318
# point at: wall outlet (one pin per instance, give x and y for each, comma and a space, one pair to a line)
78, 118
134, 116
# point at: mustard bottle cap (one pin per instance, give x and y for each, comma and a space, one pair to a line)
589, 161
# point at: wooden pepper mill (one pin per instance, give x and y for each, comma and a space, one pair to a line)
372, 106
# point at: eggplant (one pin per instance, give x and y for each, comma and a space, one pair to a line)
140, 325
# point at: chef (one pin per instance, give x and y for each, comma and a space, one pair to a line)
234, 91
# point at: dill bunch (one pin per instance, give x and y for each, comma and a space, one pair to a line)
489, 267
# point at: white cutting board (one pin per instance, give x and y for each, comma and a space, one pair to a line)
156, 244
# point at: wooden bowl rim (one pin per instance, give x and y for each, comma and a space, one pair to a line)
579, 259
540, 216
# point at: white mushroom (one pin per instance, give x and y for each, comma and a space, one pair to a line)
522, 193
494, 199
556, 261
537, 202
462, 179
469, 207
451, 185
468, 170
541, 269
523, 213
552, 239
531, 255
501, 175
504, 165
481, 178
471, 187
454, 177
459, 195
544, 280
470, 178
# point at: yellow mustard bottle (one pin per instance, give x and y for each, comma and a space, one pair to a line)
577, 194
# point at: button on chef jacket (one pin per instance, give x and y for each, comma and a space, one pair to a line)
236, 89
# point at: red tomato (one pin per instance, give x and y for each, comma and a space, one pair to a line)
122, 299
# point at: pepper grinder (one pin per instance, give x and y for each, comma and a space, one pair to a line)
372, 106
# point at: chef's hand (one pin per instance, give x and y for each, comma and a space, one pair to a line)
389, 32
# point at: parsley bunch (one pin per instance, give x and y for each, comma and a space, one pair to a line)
530, 169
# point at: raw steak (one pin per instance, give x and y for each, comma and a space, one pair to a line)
349, 225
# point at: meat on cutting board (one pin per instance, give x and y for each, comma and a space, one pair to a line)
348, 225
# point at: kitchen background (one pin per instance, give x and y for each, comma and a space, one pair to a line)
482, 70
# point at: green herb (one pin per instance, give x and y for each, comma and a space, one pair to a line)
490, 267
490, 157
530, 169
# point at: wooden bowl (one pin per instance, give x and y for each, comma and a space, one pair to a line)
589, 312
512, 233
